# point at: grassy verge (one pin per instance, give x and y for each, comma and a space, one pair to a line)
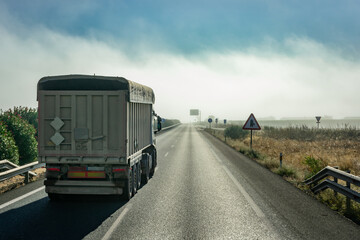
304, 157
18, 181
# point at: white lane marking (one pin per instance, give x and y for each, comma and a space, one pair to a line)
166, 154
21, 197
172, 146
253, 205
116, 223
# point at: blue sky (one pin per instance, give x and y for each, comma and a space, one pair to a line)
194, 26
299, 57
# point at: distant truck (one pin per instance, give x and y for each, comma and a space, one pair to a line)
96, 134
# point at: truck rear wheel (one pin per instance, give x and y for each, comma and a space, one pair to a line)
146, 173
138, 175
154, 162
128, 190
135, 176
54, 197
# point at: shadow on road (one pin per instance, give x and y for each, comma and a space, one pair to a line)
68, 219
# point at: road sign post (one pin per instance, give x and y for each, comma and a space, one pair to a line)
210, 121
251, 124
318, 120
251, 139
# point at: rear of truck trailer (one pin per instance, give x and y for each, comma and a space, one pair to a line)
95, 135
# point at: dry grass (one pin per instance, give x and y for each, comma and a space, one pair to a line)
18, 181
342, 153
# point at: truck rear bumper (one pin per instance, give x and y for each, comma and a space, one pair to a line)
82, 187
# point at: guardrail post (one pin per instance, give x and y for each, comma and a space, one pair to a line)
27, 177
348, 203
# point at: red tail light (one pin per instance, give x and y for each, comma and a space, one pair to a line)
53, 169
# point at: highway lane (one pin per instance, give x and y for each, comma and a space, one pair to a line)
201, 190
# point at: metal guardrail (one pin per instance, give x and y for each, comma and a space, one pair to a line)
25, 169
334, 185
170, 126
167, 128
7, 165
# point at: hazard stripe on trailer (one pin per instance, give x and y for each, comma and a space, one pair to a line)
86, 174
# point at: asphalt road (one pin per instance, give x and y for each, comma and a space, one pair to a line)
201, 189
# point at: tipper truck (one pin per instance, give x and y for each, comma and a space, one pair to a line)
96, 135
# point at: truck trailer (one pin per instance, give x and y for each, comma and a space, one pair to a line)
96, 135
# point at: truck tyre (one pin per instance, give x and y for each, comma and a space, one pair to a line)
146, 173
154, 162
128, 189
54, 197
138, 173
134, 183
154, 156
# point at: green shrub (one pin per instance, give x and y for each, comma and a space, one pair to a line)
314, 165
28, 114
235, 132
8, 148
23, 133
285, 171
250, 153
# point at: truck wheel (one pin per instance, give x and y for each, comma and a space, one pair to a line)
134, 183
146, 173
138, 177
154, 163
54, 197
128, 190
154, 157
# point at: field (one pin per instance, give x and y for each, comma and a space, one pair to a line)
327, 147
311, 123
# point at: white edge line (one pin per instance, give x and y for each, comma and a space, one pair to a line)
115, 224
21, 197
253, 205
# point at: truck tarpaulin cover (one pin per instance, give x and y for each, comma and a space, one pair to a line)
137, 93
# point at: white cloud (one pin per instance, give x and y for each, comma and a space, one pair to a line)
312, 80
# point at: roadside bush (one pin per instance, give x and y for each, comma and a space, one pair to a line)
314, 165
235, 132
250, 153
24, 136
286, 171
28, 114
8, 148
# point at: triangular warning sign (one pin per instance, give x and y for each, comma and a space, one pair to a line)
251, 123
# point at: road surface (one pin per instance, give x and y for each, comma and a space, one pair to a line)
202, 189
